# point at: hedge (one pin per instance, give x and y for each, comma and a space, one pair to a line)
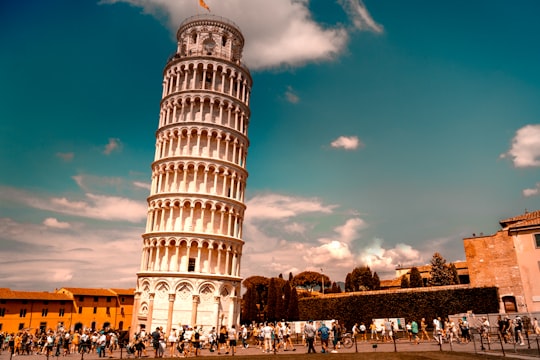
351, 308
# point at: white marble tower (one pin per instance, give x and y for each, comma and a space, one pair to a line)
192, 245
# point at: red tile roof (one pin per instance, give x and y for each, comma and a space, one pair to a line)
523, 217
6, 293
86, 291
130, 291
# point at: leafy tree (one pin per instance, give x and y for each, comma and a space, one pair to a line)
293, 313
286, 299
404, 282
415, 278
440, 273
260, 284
376, 281
348, 283
249, 305
309, 279
270, 309
280, 306
362, 278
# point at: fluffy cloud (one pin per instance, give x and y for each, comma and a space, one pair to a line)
532, 192
68, 156
112, 145
102, 207
39, 257
525, 150
276, 206
280, 237
347, 143
54, 223
291, 96
278, 32
360, 16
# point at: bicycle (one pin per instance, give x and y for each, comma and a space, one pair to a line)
347, 340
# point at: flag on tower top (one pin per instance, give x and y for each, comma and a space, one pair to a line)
203, 4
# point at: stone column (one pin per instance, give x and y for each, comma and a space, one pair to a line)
195, 305
170, 312
150, 311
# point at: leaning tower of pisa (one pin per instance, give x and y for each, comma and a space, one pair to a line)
192, 245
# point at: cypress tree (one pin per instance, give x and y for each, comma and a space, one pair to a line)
415, 278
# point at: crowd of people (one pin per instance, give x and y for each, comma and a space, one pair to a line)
269, 337
60, 342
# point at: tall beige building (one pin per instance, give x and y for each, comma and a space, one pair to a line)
192, 245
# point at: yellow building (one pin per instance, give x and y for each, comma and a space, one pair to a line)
100, 308
70, 308
34, 310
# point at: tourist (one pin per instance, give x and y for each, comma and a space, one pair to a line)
373, 329
518, 329
414, 332
309, 333
324, 334
423, 329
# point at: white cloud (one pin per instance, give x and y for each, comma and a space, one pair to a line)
142, 185
360, 15
276, 206
54, 223
112, 145
86, 256
68, 156
347, 143
525, 150
102, 207
291, 96
278, 32
532, 192
281, 235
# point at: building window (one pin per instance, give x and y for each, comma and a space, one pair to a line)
80, 309
120, 326
45, 302
24, 302
1, 327
108, 299
21, 326
44, 312
96, 298
22, 313
509, 304
43, 326
2, 312
191, 264
61, 312
108, 310
122, 299
81, 298
95, 309
537, 240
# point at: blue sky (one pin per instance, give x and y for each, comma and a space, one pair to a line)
381, 131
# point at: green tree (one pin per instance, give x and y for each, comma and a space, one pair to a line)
404, 281
293, 312
415, 278
440, 273
362, 278
249, 305
310, 279
376, 281
349, 286
270, 309
454, 274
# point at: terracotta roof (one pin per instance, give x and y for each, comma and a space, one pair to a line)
526, 216
130, 291
525, 223
6, 293
86, 291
